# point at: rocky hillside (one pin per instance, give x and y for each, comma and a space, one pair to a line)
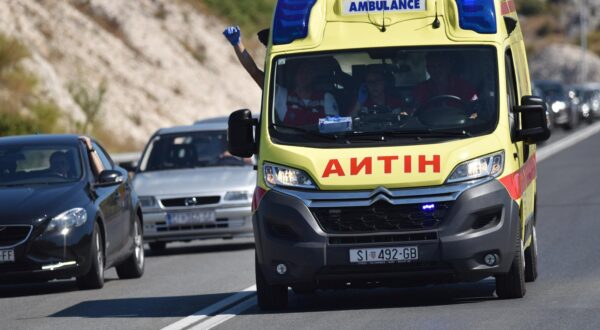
161, 62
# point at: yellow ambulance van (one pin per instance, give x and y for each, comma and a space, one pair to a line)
396, 146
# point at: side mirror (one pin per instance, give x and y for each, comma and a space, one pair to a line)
240, 134
534, 121
109, 178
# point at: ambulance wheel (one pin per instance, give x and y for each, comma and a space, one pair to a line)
270, 297
531, 257
512, 284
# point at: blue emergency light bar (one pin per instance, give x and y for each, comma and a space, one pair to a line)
291, 20
477, 15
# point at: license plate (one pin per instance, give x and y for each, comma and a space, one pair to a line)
7, 256
384, 255
190, 218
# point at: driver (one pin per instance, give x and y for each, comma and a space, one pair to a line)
442, 81
59, 164
373, 93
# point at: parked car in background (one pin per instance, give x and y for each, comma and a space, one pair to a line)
587, 100
562, 112
191, 188
66, 211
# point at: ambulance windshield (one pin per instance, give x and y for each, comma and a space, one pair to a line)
384, 94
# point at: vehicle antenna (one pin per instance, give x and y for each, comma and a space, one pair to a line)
436, 22
383, 29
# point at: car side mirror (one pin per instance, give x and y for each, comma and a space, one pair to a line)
240, 134
109, 178
534, 121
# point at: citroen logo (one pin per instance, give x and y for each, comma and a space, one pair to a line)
191, 201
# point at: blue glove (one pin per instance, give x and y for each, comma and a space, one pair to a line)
233, 34
363, 94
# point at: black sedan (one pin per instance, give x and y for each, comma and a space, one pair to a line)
66, 211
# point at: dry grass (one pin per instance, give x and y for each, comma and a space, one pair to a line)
106, 22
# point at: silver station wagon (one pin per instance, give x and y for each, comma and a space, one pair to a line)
190, 187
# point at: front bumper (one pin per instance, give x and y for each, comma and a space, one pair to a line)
287, 232
47, 256
230, 222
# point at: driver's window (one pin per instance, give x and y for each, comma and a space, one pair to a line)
103, 157
511, 89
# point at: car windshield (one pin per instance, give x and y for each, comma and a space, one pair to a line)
394, 95
25, 165
189, 150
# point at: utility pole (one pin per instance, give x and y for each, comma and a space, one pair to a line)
584, 40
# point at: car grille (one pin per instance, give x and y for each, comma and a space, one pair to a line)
190, 201
13, 235
380, 217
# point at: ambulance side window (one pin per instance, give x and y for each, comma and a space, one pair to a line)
511, 88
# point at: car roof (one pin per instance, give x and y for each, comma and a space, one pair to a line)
217, 126
41, 139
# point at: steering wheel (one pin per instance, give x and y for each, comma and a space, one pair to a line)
451, 106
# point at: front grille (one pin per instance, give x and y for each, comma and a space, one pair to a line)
380, 217
220, 223
190, 201
13, 235
336, 240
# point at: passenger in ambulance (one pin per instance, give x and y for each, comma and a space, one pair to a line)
443, 85
375, 94
300, 105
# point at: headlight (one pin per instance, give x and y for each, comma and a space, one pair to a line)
491, 165
69, 219
231, 196
558, 106
147, 201
277, 175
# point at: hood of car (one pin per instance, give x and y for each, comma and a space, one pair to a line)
197, 181
25, 205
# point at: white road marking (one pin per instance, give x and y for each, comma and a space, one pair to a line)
212, 309
567, 142
213, 315
226, 315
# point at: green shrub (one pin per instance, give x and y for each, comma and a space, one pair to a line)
251, 15
21, 110
530, 7
90, 101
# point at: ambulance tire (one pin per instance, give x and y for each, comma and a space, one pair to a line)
512, 284
531, 258
270, 297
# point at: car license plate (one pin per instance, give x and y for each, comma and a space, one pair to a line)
190, 218
384, 255
7, 256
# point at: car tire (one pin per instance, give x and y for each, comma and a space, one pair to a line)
94, 278
512, 284
531, 258
270, 297
133, 267
157, 247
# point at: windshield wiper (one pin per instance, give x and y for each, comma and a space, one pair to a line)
433, 133
307, 132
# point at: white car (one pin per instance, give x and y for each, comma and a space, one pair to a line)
191, 188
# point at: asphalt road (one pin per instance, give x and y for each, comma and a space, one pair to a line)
190, 277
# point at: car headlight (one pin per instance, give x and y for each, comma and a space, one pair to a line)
147, 201
558, 106
68, 219
277, 175
234, 196
490, 165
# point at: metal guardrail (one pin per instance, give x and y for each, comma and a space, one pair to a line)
128, 157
